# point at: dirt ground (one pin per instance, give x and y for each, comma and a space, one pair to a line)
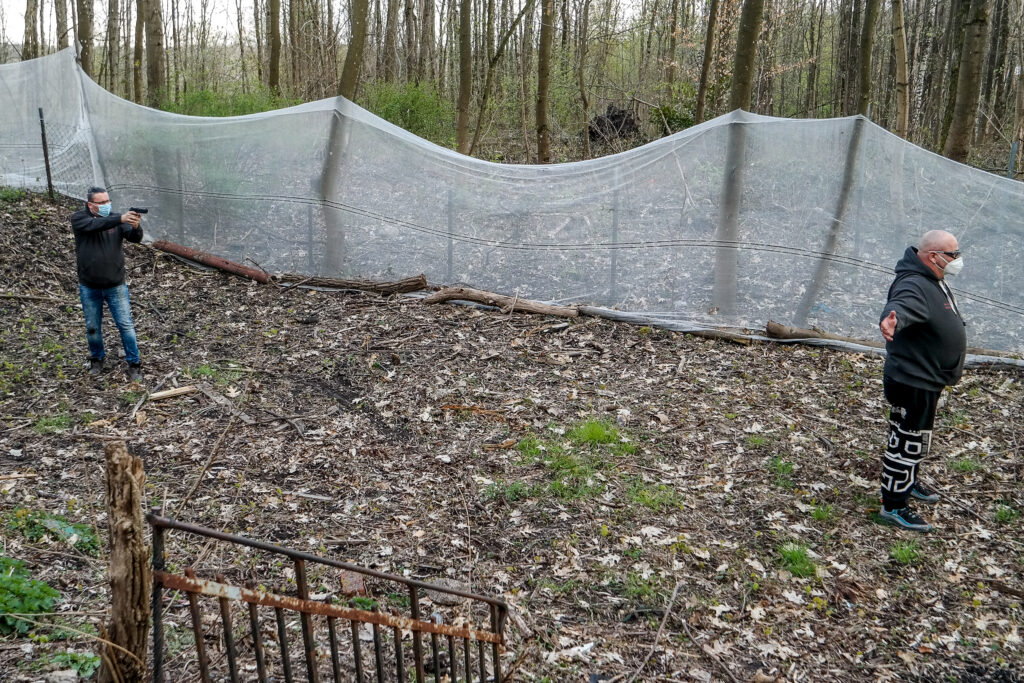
648, 503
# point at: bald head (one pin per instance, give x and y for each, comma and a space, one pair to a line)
937, 240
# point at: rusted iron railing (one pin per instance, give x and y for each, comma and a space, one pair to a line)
248, 654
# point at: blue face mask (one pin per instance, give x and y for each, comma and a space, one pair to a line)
104, 209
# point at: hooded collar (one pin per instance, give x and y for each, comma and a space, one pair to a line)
911, 263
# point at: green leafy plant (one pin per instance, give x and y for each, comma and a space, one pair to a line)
417, 107
9, 195
823, 513
797, 560
53, 423
508, 492
1006, 514
211, 103
21, 594
85, 663
36, 525
657, 497
593, 432
782, 470
904, 552
966, 465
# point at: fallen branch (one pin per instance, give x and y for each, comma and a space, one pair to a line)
226, 404
171, 393
212, 261
18, 475
620, 316
409, 284
505, 303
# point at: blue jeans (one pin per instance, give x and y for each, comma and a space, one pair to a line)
119, 304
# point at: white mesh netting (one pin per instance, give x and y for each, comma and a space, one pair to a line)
328, 189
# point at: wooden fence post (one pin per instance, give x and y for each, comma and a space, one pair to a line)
130, 572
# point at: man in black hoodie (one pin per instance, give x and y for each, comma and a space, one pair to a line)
926, 343
98, 237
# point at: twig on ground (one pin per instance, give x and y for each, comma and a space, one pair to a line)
657, 636
206, 466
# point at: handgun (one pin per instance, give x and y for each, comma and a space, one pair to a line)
138, 210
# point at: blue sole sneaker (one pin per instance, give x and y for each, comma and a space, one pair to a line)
905, 517
924, 494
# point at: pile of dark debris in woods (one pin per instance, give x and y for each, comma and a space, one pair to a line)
648, 503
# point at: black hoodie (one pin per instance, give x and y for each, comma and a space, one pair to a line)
98, 247
930, 342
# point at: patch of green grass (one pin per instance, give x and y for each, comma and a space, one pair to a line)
9, 195
796, 560
905, 552
362, 602
756, 441
593, 432
635, 587
36, 525
782, 470
21, 594
531, 446
85, 663
1006, 514
130, 398
559, 588
217, 375
507, 491
657, 497
966, 465
823, 513
53, 423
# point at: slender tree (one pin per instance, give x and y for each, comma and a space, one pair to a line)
30, 44
156, 67
61, 11
85, 34
547, 30
867, 38
113, 40
354, 54
274, 41
899, 41
958, 142
705, 67
746, 54
465, 75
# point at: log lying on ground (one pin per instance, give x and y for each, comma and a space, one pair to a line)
780, 331
409, 284
212, 261
505, 303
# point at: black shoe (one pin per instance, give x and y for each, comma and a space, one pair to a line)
924, 494
134, 372
95, 366
906, 518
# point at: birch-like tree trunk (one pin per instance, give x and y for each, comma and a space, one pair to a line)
156, 67
30, 43
899, 39
867, 39
113, 40
85, 34
61, 11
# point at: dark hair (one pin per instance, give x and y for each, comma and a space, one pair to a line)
93, 191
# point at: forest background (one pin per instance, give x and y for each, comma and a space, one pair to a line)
530, 80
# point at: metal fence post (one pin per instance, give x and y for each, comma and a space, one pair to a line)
46, 154
158, 592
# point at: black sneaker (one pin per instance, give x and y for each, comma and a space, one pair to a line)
134, 372
906, 518
924, 494
95, 366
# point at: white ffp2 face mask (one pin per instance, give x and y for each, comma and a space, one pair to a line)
954, 266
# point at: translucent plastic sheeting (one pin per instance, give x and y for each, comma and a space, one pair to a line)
824, 210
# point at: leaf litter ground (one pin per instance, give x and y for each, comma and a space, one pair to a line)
584, 472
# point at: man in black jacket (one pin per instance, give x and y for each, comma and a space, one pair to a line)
98, 237
926, 343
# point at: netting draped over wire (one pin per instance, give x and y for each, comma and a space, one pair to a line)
735, 222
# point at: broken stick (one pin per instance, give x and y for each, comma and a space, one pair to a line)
506, 303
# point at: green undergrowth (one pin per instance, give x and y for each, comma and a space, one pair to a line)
21, 594
35, 525
210, 103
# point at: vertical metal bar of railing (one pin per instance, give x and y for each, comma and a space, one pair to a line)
257, 640
307, 623
481, 653
156, 607
229, 636
451, 660
435, 657
378, 655
357, 651
332, 634
399, 655
197, 628
494, 646
466, 654
282, 638
417, 639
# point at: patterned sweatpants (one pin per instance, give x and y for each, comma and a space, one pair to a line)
911, 418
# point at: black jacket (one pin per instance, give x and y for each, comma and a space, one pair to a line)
98, 247
930, 342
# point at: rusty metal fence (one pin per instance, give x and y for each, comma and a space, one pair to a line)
240, 630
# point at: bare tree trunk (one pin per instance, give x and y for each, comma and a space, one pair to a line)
465, 75
986, 109
899, 39
30, 44
140, 27
274, 39
670, 60
354, 54
547, 29
410, 40
735, 158
257, 31
390, 57
581, 80
61, 9
113, 41
525, 69
130, 573
705, 67
958, 19
427, 46
85, 34
156, 67
958, 143
867, 38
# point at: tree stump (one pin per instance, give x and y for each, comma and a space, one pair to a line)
130, 572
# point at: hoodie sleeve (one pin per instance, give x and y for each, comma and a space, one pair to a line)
909, 302
83, 222
131, 234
